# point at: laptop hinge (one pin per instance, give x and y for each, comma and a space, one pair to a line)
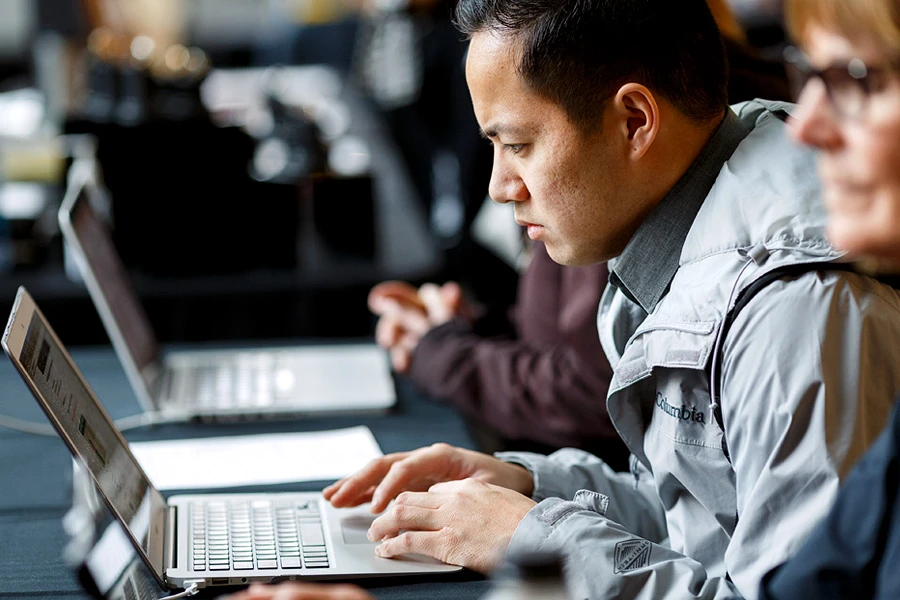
171, 541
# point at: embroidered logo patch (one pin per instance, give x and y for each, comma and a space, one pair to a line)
631, 555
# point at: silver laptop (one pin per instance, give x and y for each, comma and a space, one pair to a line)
203, 539
228, 383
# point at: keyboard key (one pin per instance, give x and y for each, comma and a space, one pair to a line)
290, 562
243, 566
311, 534
267, 564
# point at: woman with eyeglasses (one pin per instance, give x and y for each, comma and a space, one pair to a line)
847, 73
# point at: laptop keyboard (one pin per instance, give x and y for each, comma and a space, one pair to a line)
247, 382
258, 534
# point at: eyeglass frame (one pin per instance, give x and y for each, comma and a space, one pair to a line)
858, 72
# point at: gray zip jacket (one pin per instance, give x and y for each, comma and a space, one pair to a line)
809, 371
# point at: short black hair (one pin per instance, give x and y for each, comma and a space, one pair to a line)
578, 53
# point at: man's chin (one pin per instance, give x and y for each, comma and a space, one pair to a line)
569, 257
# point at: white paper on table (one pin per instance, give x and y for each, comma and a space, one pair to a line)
256, 459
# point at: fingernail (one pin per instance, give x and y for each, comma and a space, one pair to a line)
370, 536
380, 551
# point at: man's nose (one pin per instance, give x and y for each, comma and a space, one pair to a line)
506, 186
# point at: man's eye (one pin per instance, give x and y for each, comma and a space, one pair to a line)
514, 148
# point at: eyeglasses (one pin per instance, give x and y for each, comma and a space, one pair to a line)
848, 86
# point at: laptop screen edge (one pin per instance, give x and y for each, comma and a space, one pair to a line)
81, 179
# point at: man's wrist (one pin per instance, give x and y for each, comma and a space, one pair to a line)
520, 479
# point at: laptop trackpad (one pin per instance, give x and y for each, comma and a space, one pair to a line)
354, 528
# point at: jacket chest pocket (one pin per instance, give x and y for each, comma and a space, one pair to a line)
678, 417
676, 406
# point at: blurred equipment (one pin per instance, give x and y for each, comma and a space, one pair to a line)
182, 200
31, 174
301, 124
196, 193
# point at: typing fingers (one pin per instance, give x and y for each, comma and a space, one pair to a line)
429, 543
412, 511
415, 473
359, 487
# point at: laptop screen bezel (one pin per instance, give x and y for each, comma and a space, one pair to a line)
23, 311
144, 378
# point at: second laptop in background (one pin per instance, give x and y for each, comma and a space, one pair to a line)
211, 384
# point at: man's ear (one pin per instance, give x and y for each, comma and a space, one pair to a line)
638, 114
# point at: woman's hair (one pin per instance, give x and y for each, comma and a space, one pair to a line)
877, 21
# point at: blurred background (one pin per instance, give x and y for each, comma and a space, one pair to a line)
263, 162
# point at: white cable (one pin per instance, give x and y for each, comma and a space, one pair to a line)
123, 424
26, 426
190, 591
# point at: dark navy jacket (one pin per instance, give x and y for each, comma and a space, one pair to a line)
855, 552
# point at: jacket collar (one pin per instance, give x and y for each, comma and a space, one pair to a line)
646, 267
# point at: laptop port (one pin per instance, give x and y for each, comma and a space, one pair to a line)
219, 581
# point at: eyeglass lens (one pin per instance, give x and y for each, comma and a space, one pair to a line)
845, 85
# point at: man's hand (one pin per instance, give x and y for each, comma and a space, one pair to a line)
406, 314
300, 591
384, 478
467, 523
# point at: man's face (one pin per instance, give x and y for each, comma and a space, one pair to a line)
567, 185
859, 159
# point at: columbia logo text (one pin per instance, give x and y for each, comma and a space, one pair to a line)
684, 412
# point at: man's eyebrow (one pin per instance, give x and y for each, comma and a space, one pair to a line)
496, 130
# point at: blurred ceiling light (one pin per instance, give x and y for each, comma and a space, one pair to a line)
177, 58
142, 48
349, 156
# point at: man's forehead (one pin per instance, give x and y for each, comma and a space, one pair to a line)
490, 42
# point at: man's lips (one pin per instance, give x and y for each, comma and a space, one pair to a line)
534, 230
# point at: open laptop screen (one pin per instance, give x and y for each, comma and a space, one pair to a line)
85, 426
109, 284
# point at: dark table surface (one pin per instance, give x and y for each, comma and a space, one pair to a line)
36, 477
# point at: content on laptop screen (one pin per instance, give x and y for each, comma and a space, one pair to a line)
105, 560
89, 432
113, 283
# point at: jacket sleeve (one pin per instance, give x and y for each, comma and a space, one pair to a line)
628, 498
612, 532
552, 394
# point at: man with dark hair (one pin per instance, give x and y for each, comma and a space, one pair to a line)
738, 345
